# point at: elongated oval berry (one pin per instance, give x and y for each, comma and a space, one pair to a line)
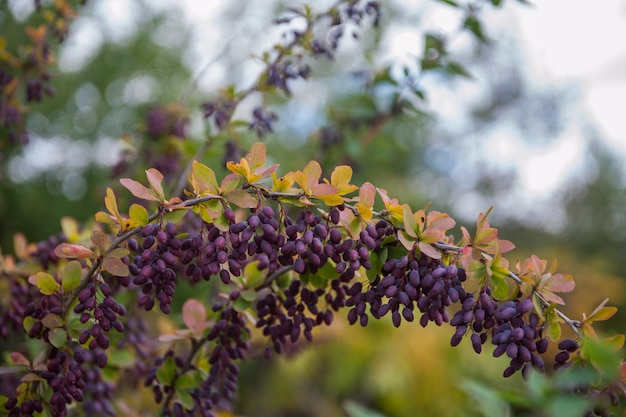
396, 319
542, 345
387, 281
508, 313
476, 343
569, 345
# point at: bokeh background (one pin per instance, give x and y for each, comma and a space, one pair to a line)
537, 131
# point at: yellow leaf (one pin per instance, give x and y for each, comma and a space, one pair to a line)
340, 179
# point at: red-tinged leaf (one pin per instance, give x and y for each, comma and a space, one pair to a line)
323, 189
482, 222
167, 338
439, 221
138, 214
100, 241
155, 178
230, 182
429, 250
305, 201
47, 284
602, 314
115, 266
559, 283
257, 155
139, 190
407, 241
466, 237
73, 250
118, 253
204, 178
410, 223
266, 172
552, 297
432, 235
505, 245
310, 176
19, 359
30, 377
367, 194
241, 199
194, 316
20, 245
52, 321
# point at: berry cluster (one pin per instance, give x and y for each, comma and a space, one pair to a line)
65, 376
104, 312
422, 283
285, 320
153, 270
518, 334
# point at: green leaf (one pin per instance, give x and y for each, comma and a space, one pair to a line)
485, 399
185, 399
253, 277
378, 259
241, 305
28, 323
453, 3
473, 24
204, 178
121, 358
166, 373
174, 216
139, 214
499, 287
568, 405
47, 284
457, 69
186, 381
249, 295
554, 327
602, 356
57, 337
71, 276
